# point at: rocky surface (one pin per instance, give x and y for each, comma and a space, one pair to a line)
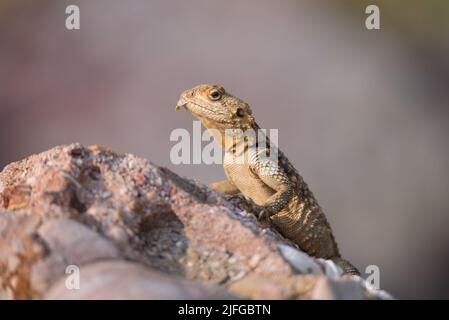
132, 230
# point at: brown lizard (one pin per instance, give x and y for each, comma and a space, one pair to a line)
272, 183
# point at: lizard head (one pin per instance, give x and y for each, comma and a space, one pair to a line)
216, 108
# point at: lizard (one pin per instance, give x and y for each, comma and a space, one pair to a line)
271, 183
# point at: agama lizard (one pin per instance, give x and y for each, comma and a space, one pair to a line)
272, 184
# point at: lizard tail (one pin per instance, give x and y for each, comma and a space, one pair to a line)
347, 267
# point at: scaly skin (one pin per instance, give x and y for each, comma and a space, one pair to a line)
272, 183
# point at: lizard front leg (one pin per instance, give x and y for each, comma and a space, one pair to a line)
275, 178
224, 186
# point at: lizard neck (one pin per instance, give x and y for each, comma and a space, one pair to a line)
229, 139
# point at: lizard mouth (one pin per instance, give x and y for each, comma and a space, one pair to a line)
199, 110
196, 109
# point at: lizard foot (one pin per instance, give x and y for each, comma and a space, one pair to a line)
263, 214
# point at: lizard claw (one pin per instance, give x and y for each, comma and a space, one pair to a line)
263, 214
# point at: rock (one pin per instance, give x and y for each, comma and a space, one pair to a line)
329, 289
300, 261
69, 243
138, 231
330, 268
126, 280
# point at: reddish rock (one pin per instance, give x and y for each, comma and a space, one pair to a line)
119, 217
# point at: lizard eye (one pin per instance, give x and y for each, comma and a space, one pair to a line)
214, 95
240, 113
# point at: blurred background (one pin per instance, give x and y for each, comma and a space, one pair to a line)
362, 114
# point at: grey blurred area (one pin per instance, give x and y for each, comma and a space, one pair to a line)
362, 114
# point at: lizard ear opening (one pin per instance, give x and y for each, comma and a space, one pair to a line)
240, 113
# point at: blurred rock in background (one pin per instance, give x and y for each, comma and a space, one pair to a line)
362, 114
